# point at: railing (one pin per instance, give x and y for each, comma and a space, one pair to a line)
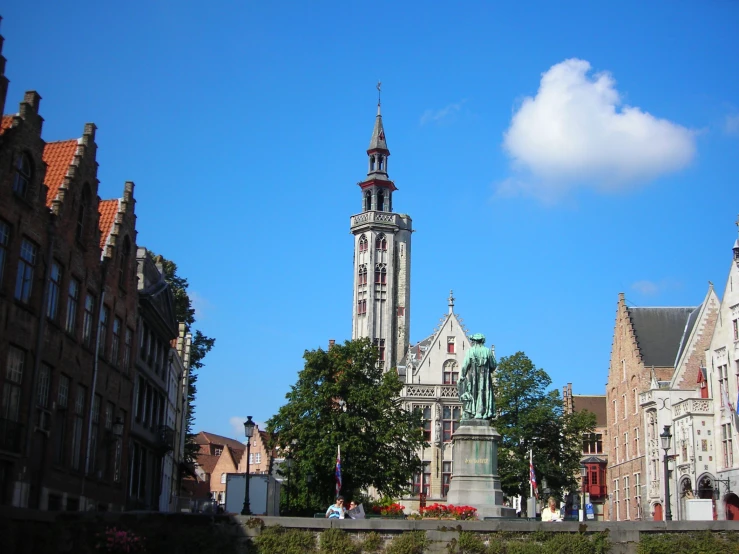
430, 391
375, 217
11, 435
691, 406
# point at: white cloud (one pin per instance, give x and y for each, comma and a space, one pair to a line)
237, 425
647, 288
731, 124
445, 113
575, 132
200, 304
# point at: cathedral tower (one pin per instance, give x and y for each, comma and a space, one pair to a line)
382, 258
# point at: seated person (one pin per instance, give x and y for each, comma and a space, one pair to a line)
336, 510
551, 513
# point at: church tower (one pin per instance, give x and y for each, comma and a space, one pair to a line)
382, 258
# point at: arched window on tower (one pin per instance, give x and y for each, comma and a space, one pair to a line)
380, 163
381, 243
123, 266
362, 275
372, 162
381, 274
22, 176
367, 201
79, 233
363, 243
380, 201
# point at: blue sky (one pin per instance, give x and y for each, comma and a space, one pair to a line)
551, 156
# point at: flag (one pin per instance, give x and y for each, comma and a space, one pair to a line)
338, 471
532, 477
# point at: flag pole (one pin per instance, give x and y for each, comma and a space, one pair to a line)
531, 463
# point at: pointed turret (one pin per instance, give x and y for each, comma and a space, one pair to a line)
377, 142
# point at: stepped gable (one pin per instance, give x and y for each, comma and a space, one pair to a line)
58, 156
108, 210
659, 332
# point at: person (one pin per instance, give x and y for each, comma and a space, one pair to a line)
336, 510
551, 513
352, 505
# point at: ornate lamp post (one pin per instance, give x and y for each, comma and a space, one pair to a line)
665, 437
583, 475
249, 432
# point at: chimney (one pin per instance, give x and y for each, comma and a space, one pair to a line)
32, 101
331, 343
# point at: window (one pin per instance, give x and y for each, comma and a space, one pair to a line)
368, 194
626, 496
726, 443
115, 346
363, 243
258, 458
449, 421
4, 240
362, 307
451, 372
381, 198
735, 325
593, 471
626, 446
362, 275
422, 481
381, 243
11, 400
217, 451
615, 410
123, 266
592, 443
380, 274
615, 448
636, 441
425, 412
104, 318
44, 380
82, 213
22, 174
55, 285
63, 392
87, 320
723, 383
79, 414
73, 297
446, 477
617, 504
623, 396
223, 478
380, 344
127, 350
60, 420
251, 458
637, 494
450, 345
636, 401
26, 265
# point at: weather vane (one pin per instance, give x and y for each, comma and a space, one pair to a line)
379, 92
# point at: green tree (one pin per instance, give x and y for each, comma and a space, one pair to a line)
343, 398
201, 345
532, 418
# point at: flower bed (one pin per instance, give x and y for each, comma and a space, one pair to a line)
391, 510
448, 511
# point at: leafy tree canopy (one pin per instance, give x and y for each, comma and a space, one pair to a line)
342, 398
532, 418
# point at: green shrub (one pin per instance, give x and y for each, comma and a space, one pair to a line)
336, 541
705, 543
278, 540
412, 542
372, 543
471, 543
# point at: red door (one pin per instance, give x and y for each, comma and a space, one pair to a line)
732, 507
657, 512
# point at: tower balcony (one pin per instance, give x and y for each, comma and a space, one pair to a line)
380, 218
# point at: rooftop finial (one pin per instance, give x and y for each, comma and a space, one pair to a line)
737, 223
379, 93
451, 301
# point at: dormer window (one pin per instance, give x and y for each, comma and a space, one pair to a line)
22, 174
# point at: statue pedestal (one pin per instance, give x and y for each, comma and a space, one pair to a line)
475, 480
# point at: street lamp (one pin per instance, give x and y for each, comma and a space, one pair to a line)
665, 437
249, 432
583, 474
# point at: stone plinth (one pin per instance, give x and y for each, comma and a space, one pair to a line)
475, 480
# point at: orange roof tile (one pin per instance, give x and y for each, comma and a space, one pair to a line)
58, 157
108, 210
6, 122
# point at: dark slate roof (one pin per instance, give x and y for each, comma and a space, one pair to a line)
688, 329
659, 332
594, 404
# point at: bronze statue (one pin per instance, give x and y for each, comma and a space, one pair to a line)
475, 385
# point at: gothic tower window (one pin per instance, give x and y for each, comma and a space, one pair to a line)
362, 307
380, 163
22, 176
381, 243
372, 163
367, 201
362, 275
380, 344
380, 201
381, 274
363, 243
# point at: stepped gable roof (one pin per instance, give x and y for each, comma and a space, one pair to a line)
212, 438
108, 210
659, 332
58, 156
207, 462
592, 403
692, 318
6, 123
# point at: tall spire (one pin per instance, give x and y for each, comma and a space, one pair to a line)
377, 142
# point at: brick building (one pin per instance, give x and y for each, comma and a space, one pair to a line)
68, 317
648, 345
